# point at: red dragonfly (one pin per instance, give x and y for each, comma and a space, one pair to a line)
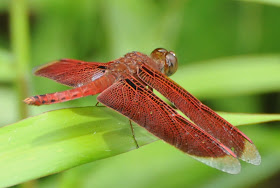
126, 84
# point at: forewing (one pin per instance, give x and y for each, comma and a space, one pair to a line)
130, 98
74, 73
202, 115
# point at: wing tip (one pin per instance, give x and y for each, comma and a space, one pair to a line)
39, 67
35, 69
227, 163
251, 154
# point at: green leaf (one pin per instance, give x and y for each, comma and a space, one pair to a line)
246, 119
268, 2
58, 140
231, 76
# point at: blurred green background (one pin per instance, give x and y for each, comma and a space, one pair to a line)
208, 37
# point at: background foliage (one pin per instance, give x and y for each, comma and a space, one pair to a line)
229, 57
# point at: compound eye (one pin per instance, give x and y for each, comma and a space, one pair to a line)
166, 61
171, 64
159, 54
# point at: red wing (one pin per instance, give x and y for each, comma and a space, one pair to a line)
130, 98
74, 73
202, 115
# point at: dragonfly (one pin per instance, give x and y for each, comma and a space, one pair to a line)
126, 86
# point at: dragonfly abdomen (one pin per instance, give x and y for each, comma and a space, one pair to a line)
92, 88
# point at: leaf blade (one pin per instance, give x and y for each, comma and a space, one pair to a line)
58, 140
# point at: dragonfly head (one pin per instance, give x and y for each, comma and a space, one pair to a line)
166, 61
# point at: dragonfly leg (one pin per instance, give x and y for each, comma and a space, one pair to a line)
97, 103
133, 134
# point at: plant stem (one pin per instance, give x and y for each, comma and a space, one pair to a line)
20, 47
